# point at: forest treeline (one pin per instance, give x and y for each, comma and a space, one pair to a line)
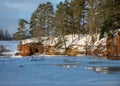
72, 17
4, 35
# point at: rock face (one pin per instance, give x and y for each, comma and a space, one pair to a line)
103, 47
71, 52
113, 47
30, 49
50, 50
25, 50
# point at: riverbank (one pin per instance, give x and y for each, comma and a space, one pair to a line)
72, 46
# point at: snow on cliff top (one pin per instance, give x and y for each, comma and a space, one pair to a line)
71, 40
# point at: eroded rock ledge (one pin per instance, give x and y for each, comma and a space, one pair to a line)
103, 47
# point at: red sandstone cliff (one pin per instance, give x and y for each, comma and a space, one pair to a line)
111, 48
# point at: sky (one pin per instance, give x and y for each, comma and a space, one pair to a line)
12, 10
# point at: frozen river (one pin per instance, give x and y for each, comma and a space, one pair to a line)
59, 71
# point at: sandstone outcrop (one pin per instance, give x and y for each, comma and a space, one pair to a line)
72, 52
50, 50
30, 49
113, 47
103, 47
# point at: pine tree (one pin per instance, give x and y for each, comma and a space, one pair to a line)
41, 22
94, 16
1, 34
112, 18
21, 34
78, 7
33, 25
4, 35
7, 35
62, 20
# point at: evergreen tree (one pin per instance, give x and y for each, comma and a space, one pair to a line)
71, 17
1, 34
4, 35
21, 34
34, 29
112, 18
49, 23
62, 20
7, 35
59, 19
94, 16
78, 7
41, 22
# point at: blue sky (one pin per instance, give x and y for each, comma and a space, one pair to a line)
12, 10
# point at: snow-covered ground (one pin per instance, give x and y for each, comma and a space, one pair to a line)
57, 70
